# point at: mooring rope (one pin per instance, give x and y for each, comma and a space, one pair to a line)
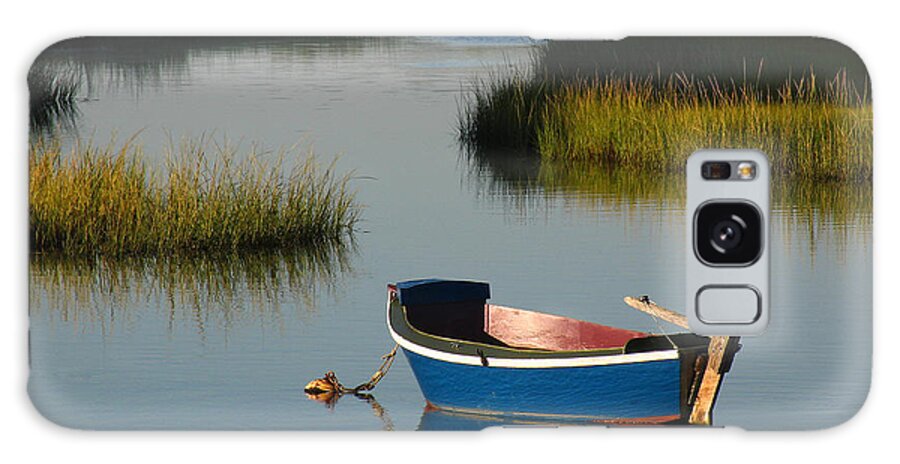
646, 300
659, 326
331, 385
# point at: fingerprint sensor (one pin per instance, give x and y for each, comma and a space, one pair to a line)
728, 304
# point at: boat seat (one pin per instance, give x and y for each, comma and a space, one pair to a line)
459, 320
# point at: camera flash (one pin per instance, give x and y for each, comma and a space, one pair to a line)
746, 170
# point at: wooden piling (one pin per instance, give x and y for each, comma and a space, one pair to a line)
701, 413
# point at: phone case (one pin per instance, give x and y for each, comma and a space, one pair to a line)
435, 233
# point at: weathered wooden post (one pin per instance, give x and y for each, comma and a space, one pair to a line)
701, 413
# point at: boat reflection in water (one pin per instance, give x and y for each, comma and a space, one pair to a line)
443, 420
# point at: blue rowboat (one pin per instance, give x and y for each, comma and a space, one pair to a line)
472, 357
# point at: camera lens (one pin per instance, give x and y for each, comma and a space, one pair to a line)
728, 233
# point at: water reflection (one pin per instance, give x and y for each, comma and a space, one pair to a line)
437, 419
526, 185
331, 399
108, 294
135, 64
52, 99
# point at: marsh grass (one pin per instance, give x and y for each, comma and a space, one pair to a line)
98, 200
810, 129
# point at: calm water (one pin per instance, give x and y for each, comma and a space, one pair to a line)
229, 343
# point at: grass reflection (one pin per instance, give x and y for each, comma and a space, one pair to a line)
52, 99
528, 184
136, 64
195, 291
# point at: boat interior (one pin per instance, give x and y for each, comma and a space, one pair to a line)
459, 310
477, 321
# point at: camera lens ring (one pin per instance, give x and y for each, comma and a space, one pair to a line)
743, 244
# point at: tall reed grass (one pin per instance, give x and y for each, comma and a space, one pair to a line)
809, 129
106, 201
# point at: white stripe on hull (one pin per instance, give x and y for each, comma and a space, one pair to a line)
530, 363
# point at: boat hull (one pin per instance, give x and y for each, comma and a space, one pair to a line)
629, 390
